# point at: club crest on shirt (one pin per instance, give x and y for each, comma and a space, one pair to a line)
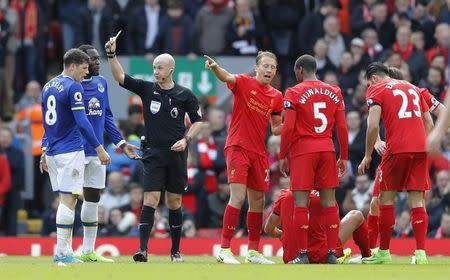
155, 106
174, 112
101, 88
94, 107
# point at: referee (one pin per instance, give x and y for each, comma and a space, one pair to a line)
165, 155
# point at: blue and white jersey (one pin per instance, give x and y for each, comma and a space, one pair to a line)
99, 113
60, 96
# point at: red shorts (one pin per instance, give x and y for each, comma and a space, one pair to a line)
319, 254
314, 171
248, 168
403, 172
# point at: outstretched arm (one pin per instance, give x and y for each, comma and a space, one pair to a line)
220, 73
116, 68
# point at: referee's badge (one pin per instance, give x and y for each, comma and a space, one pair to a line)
155, 106
174, 112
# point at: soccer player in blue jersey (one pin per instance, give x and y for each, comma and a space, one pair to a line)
66, 128
99, 115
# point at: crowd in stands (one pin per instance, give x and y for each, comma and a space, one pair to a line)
343, 35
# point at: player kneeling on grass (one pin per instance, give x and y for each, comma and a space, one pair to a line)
352, 224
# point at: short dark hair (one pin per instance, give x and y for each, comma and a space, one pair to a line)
376, 68
395, 73
75, 56
307, 63
86, 47
261, 54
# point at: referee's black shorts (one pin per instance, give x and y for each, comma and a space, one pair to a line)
165, 169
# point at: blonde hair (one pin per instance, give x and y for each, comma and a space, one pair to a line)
261, 54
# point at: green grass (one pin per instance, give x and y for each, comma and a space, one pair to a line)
195, 267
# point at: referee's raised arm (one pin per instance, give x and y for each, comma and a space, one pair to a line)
116, 68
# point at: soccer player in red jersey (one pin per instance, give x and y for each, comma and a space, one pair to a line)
436, 108
404, 165
255, 104
313, 108
352, 224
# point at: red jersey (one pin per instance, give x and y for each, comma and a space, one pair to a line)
402, 107
316, 104
317, 237
254, 103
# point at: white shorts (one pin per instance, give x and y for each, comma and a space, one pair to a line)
94, 173
66, 172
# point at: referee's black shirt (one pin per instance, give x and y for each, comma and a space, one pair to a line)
164, 110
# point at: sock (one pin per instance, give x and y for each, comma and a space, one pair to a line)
361, 240
339, 249
89, 219
332, 226
230, 220
176, 226
254, 225
64, 225
419, 221
145, 225
372, 223
301, 225
386, 222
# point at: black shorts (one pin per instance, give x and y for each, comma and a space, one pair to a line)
165, 170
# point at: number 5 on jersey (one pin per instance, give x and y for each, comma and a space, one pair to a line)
320, 116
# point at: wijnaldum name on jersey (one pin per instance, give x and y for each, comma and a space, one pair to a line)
304, 97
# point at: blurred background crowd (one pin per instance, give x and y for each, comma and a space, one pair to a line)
343, 35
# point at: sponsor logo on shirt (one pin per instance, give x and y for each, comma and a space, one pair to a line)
94, 107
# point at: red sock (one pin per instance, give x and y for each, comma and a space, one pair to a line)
361, 240
372, 223
230, 220
254, 225
419, 221
332, 222
386, 221
339, 249
301, 225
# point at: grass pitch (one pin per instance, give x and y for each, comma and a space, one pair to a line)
206, 267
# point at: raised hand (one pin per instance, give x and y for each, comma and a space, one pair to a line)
209, 62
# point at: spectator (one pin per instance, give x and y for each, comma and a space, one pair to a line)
382, 24
68, 15
136, 197
143, 27
348, 73
16, 164
4, 35
414, 58
115, 195
246, 30
217, 202
324, 63
356, 141
360, 58
217, 120
331, 78
442, 35
175, 33
435, 204
273, 150
31, 96
118, 223
426, 22
434, 82
402, 227
444, 230
358, 198
122, 12
336, 41
439, 62
30, 26
211, 38
362, 16
418, 40
372, 46
94, 24
49, 219
311, 26
134, 124
444, 15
